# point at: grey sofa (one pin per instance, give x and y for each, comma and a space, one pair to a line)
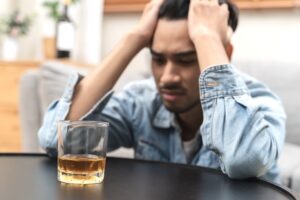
40, 87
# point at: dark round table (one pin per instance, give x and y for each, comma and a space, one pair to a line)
34, 177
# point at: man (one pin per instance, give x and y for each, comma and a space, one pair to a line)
198, 109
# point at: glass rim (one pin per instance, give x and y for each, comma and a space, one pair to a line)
84, 122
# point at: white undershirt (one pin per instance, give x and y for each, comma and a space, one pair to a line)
190, 147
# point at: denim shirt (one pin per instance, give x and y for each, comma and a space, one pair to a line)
242, 133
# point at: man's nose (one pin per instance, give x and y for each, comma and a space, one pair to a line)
170, 74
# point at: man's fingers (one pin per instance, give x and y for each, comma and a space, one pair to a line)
224, 6
157, 2
212, 2
153, 7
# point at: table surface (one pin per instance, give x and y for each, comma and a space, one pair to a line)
34, 177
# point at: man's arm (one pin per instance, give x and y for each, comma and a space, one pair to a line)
243, 124
207, 22
94, 86
90, 95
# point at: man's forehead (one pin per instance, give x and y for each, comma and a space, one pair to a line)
171, 37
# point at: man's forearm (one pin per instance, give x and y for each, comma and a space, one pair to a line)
95, 85
208, 30
210, 51
245, 123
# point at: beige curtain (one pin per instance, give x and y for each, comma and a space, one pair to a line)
89, 31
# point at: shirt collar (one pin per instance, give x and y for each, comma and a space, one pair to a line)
163, 118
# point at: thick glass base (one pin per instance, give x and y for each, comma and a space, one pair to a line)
91, 178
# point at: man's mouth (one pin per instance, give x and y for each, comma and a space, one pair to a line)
171, 95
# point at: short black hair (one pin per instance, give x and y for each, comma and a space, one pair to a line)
178, 9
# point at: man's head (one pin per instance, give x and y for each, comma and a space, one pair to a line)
174, 60
178, 9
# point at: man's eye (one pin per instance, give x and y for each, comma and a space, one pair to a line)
188, 61
158, 60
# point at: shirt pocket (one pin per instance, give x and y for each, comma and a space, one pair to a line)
149, 150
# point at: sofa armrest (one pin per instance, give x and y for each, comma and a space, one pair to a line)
30, 111
53, 78
295, 180
289, 165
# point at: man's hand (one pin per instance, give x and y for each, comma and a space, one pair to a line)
146, 26
208, 18
208, 29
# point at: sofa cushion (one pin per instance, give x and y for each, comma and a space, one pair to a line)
295, 182
289, 162
284, 79
53, 78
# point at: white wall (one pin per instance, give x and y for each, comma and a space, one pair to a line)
114, 27
30, 45
5, 6
88, 23
273, 34
261, 35
5, 9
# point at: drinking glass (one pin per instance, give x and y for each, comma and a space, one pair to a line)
82, 151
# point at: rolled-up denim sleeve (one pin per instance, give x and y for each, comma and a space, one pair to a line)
57, 111
244, 123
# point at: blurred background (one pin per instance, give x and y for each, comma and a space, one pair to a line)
82, 32
267, 29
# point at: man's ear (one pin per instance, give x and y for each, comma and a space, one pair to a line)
229, 50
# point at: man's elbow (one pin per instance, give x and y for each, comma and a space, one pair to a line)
49, 147
245, 167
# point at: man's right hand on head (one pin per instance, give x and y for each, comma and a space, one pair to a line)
207, 17
208, 29
146, 26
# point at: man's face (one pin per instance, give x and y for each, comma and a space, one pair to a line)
175, 66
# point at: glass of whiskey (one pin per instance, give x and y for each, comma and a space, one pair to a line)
81, 151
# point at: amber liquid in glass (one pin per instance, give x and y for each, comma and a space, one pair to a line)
81, 169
